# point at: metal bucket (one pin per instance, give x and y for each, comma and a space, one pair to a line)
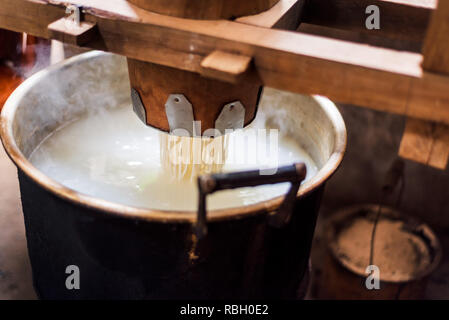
344, 277
127, 252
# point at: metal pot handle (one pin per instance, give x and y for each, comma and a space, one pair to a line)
210, 183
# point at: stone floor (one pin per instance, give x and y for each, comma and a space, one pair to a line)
15, 269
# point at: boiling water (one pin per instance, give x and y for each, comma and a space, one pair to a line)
112, 155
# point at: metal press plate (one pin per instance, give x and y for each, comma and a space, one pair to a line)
179, 114
232, 116
138, 107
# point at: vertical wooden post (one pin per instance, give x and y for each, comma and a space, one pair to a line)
436, 44
423, 141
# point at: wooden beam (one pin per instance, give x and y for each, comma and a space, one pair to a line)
379, 78
440, 150
31, 17
400, 19
428, 142
417, 140
436, 46
425, 142
155, 38
436, 60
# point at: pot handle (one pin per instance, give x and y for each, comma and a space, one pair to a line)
210, 183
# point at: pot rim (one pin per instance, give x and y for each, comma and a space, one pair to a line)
125, 211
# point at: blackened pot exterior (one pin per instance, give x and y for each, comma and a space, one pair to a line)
125, 252
122, 258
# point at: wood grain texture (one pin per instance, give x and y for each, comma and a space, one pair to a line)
436, 46
155, 83
416, 143
286, 14
425, 142
64, 31
379, 78
205, 9
218, 65
440, 150
428, 142
225, 66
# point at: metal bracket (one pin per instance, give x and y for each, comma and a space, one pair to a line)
74, 17
232, 116
138, 107
208, 184
180, 114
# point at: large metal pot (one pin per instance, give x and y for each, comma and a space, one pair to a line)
128, 252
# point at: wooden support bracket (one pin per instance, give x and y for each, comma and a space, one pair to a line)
66, 31
225, 66
425, 142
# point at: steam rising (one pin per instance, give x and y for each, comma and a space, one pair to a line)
107, 155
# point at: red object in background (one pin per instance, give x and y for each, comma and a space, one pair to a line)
9, 80
11, 44
19, 50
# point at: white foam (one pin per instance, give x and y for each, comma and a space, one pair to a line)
113, 156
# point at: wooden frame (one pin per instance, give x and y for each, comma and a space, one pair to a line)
377, 77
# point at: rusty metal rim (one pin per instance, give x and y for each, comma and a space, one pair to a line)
349, 212
6, 133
